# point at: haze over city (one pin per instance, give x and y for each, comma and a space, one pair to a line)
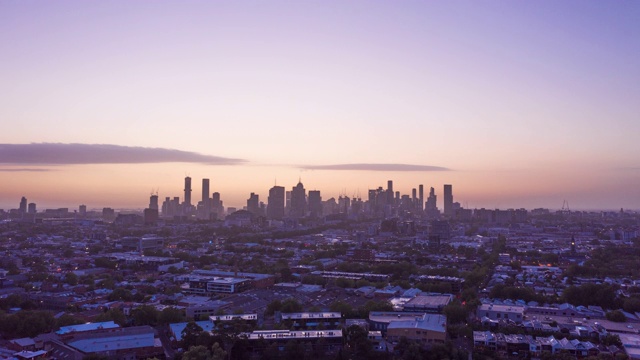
516, 104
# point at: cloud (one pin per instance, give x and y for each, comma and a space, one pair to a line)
63, 154
375, 167
24, 170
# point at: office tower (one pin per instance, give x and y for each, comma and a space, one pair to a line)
31, 208
421, 197
82, 210
150, 216
253, 204
448, 200
298, 201
431, 206
390, 192
356, 207
108, 214
205, 190
275, 203
344, 203
166, 206
23, 205
187, 191
216, 204
205, 193
315, 204
414, 197
177, 209
153, 202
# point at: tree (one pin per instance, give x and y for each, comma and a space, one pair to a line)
631, 305
26, 323
291, 306
342, 307
358, 342
120, 294
271, 352
115, 315
197, 353
611, 339
190, 334
67, 320
145, 315
71, 279
616, 316
217, 353
273, 306
293, 350
455, 313
170, 315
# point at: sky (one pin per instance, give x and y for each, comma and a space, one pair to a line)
515, 103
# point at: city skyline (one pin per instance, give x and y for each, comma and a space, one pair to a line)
515, 104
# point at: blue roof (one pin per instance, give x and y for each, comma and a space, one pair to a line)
87, 327
111, 343
176, 329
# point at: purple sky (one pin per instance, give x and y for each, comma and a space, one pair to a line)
526, 103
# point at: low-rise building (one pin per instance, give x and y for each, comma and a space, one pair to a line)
432, 304
501, 312
428, 328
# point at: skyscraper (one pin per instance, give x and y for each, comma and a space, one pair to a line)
275, 206
23, 205
253, 204
298, 201
205, 191
421, 197
448, 200
414, 198
216, 204
390, 194
187, 191
153, 202
206, 201
315, 204
431, 206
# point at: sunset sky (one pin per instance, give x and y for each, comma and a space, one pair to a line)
515, 103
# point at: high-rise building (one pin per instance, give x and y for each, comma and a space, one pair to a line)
298, 201
153, 202
421, 197
344, 203
187, 191
431, 206
448, 200
23, 205
253, 204
31, 208
414, 198
108, 214
205, 193
315, 204
275, 206
82, 210
216, 204
390, 193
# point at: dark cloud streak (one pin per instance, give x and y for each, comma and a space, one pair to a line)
24, 170
375, 167
72, 154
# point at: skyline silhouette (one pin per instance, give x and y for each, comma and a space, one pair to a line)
517, 104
